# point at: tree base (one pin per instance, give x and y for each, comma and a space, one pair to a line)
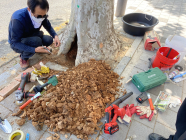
92, 23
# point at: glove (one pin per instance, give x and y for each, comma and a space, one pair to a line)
174, 101
44, 69
145, 112
129, 111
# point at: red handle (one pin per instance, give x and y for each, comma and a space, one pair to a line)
25, 104
151, 104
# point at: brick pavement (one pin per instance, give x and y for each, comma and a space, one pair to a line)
172, 16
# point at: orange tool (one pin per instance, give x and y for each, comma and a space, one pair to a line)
30, 100
150, 101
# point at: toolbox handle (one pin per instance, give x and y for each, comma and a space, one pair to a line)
148, 71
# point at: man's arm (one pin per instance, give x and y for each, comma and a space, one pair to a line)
48, 27
16, 35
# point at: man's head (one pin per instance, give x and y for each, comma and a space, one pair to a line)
38, 8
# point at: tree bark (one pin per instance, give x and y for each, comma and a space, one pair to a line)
92, 22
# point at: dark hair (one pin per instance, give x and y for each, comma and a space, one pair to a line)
33, 3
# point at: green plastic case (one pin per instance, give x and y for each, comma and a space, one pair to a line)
149, 79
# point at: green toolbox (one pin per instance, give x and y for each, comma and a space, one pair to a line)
149, 79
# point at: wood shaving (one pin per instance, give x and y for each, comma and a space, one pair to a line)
20, 122
77, 104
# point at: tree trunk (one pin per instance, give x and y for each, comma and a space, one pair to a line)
92, 22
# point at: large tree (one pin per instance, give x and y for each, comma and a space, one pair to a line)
92, 22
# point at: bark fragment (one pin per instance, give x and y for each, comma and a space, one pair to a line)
78, 102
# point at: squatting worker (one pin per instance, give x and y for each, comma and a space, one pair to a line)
25, 36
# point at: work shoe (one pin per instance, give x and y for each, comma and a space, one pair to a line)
24, 64
154, 136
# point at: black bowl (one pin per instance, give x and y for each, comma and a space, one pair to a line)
138, 23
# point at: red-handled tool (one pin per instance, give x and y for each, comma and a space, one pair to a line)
30, 100
112, 113
150, 101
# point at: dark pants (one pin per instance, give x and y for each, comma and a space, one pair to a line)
180, 124
38, 39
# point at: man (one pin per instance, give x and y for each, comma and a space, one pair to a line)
25, 36
180, 126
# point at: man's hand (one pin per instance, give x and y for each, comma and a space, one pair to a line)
40, 49
56, 41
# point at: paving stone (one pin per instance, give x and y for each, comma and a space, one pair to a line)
135, 71
183, 96
141, 131
184, 86
168, 118
163, 40
163, 130
4, 112
61, 136
143, 65
122, 64
34, 134
130, 87
73, 137
9, 88
36, 58
134, 46
145, 57
54, 66
102, 138
131, 7
163, 19
156, 90
45, 136
8, 102
173, 89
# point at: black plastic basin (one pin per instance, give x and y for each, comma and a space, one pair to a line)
138, 23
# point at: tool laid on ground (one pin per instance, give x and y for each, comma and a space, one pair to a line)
180, 75
150, 63
142, 98
149, 79
19, 93
30, 100
112, 113
37, 89
52, 80
5, 126
150, 101
21, 96
173, 73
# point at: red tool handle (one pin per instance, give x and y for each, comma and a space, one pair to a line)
25, 104
151, 104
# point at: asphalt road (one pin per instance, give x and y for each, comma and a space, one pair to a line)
59, 12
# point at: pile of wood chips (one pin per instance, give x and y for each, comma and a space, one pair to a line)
78, 102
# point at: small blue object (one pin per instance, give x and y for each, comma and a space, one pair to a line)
27, 136
180, 75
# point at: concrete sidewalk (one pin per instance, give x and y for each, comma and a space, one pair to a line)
172, 17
